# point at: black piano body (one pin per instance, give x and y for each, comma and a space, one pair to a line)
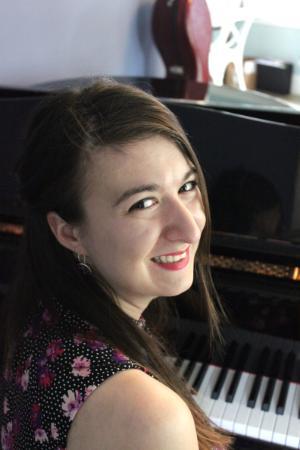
250, 155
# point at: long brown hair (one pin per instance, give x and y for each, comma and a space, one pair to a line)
68, 128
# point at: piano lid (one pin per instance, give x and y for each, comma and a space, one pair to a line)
252, 170
250, 157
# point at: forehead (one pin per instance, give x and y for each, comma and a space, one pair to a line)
149, 160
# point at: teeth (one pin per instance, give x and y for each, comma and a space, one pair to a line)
170, 259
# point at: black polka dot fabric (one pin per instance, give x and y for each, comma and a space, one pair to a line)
59, 362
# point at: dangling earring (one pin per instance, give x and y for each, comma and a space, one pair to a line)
83, 264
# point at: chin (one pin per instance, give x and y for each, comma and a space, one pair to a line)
175, 290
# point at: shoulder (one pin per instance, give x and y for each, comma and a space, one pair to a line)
134, 410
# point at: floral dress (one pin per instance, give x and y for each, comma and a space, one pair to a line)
59, 362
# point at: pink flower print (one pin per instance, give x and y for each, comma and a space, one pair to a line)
40, 435
19, 373
27, 363
16, 426
55, 349
91, 339
78, 339
46, 378
46, 316
71, 404
54, 431
7, 437
119, 357
24, 380
36, 415
81, 367
28, 332
96, 344
22, 374
89, 390
42, 362
5, 406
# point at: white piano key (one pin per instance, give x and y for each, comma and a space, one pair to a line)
243, 413
219, 405
203, 397
231, 409
256, 414
282, 421
182, 368
240, 419
205, 382
269, 417
293, 434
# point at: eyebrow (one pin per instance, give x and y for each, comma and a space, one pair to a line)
148, 187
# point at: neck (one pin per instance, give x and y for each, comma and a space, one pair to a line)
133, 309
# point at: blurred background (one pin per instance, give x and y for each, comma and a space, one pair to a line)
45, 41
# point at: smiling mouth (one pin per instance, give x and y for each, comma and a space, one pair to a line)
173, 261
170, 258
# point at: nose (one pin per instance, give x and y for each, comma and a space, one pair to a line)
184, 223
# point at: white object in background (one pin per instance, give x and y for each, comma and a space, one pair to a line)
295, 82
234, 25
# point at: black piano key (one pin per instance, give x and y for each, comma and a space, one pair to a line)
275, 368
268, 395
195, 355
282, 397
222, 375
290, 364
185, 349
260, 370
242, 359
199, 378
202, 371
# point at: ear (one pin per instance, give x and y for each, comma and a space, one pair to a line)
66, 234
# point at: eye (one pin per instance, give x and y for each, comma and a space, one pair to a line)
145, 203
188, 186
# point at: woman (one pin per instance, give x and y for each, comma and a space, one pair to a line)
117, 216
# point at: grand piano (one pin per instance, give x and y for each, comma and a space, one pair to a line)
249, 147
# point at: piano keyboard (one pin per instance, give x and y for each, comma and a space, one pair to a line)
251, 395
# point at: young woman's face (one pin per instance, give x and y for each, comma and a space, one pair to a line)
144, 219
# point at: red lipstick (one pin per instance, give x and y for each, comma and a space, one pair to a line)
176, 253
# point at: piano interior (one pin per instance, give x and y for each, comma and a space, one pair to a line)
250, 156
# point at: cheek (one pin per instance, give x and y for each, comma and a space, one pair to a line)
137, 239
201, 220
197, 211
121, 241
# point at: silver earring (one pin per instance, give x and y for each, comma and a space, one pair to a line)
83, 264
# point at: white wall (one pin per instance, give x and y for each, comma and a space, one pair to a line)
48, 40
277, 12
45, 40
